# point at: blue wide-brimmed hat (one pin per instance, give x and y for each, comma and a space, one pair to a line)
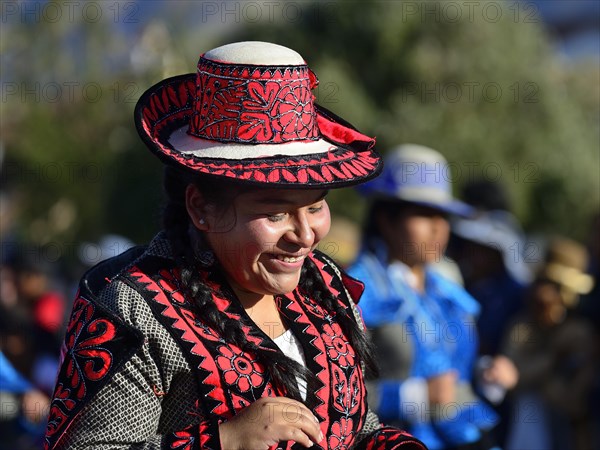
499, 230
417, 174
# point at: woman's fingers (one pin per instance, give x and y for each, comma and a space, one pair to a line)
268, 421
292, 409
297, 435
302, 423
303, 420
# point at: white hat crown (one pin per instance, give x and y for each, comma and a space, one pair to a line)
255, 53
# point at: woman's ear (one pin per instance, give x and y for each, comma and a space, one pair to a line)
196, 207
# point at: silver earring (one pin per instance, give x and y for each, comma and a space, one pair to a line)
201, 222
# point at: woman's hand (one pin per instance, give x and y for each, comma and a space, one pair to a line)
442, 388
35, 406
503, 372
269, 420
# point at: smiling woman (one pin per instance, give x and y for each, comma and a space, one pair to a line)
263, 246
229, 330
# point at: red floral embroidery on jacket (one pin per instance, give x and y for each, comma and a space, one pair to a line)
341, 434
338, 348
182, 440
88, 359
239, 369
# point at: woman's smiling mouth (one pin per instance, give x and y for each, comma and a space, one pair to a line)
290, 259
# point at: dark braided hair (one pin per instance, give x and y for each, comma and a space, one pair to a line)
283, 370
312, 283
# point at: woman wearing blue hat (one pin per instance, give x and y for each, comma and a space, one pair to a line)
422, 322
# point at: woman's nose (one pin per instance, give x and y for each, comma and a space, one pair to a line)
301, 232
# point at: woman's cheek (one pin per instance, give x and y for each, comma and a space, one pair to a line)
414, 231
323, 224
264, 235
443, 234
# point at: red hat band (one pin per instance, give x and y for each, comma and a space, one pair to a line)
254, 104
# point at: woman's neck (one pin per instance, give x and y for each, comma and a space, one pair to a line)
263, 311
250, 300
418, 272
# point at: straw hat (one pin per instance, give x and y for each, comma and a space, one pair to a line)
565, 265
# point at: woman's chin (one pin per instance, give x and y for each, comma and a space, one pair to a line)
284, 284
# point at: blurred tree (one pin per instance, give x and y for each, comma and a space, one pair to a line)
477, 80
70, 152
479, 83
67, 131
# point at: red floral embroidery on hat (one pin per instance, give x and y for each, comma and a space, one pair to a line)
260, 111
265, 105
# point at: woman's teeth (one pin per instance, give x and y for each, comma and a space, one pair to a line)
290, 259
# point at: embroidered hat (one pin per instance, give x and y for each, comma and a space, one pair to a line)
248, 114
417, 174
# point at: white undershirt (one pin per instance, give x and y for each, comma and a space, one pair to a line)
290, 347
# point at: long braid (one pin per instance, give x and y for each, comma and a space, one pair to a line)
315, 287
283, 370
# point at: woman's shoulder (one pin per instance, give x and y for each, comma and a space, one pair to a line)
336, 278
118, 283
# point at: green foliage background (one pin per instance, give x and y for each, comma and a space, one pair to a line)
413, 77
401, 77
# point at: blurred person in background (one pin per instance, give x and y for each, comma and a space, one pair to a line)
23, 412
32, 313
589, 304
423, 324
555, 352
229, 330
488, 249
486, 195
589, 308
44, 309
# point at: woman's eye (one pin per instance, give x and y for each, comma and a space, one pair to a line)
315, 209
275, 217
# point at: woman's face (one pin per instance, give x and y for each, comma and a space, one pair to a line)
546, 303
264, 238
417, 234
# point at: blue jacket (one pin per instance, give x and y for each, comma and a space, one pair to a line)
438, 329
11, 380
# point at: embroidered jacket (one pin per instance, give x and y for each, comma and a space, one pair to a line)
142, 370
